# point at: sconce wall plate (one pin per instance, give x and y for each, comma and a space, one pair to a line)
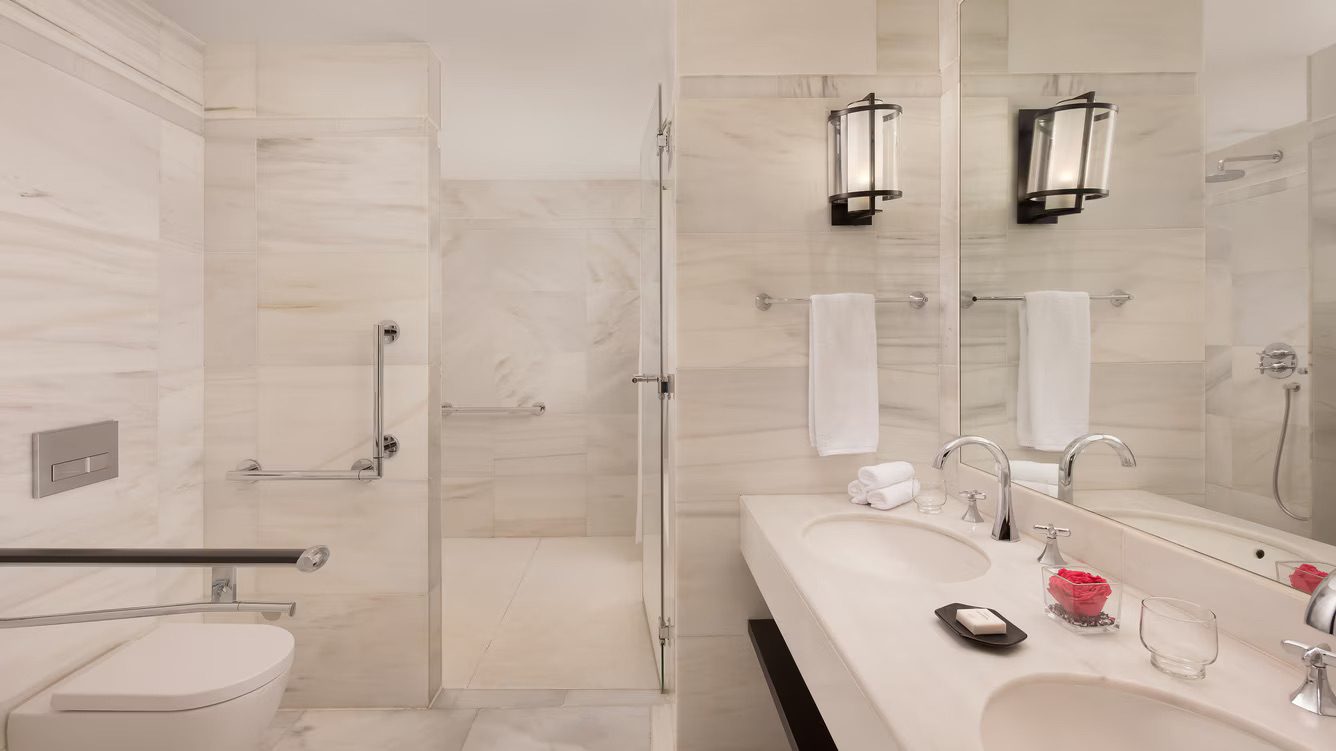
1063, 158
863, 149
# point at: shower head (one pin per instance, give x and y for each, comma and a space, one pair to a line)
1225, 176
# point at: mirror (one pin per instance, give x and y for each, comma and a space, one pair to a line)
1209, 333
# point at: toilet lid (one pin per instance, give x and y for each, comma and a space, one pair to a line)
179, 666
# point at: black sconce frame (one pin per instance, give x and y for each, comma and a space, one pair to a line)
1031, 207
840, 215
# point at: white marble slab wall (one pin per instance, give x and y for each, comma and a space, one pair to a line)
752, 216
101, 215
542, 304
1322, 238
1148, 374
320, 221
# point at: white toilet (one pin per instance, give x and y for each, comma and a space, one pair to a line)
180, 687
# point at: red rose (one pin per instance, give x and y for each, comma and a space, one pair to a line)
1307, 577
1080, 593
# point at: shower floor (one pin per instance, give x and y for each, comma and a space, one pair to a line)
544, 613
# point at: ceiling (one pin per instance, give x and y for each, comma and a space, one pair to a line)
1256, 79
532, 89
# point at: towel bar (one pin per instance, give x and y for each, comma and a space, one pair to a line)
916, 300
1117, 298
536, 409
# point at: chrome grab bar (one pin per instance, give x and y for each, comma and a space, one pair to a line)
536, 409
763, 301
222, 589
383, 446
1117, 298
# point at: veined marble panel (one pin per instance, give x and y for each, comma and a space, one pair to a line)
231, 310
723, 702
528, 203
906, 264
180, 308
230, 207
75, 154
554, 444
843, 87
767, 37
181, 186
229, 80
345, 81
1133, 36
1321, 84
343, 194
541, 505
716, 593
907, 36
77, 300
231, 415
984, 36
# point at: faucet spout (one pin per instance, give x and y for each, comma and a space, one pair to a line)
1321, 612
1004, 524
1067, 464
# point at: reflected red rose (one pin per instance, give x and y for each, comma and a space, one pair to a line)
1080, 593
1306, 578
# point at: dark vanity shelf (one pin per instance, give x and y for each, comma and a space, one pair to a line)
802, 719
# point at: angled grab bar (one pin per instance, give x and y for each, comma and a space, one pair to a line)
383, 446
271, 610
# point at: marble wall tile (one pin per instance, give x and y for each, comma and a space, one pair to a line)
231, 310
180, 308
229, 80
344, 80
319, 308
541, 506
715, 590
76, 155
180, 457
723, 703
230, 207
754, 37
555, 444
1137, 36
1322, 229
612, 509
1321, 83
535, 203
358, 194
984, 30
358, 650
181, 186
231, 419
907, 36
468, 506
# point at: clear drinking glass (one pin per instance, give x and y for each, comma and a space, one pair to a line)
1182, 636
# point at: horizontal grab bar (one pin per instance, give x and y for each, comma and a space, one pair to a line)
1117, 298
269, 609
250, 470
305, 559
537, 408
916, 300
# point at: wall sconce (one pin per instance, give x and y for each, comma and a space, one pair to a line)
1063, 158
864, 144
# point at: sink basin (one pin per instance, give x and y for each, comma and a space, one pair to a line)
895, 548
1065, 713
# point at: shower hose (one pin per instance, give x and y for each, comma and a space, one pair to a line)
1290, 388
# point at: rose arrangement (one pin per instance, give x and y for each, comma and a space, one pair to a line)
1307, 577
1080, 593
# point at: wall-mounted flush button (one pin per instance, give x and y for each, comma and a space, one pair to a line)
76, 467
73, 457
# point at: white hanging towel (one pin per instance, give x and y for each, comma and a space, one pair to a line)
842, 405
1053, 387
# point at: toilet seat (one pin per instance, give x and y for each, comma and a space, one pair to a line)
179, 666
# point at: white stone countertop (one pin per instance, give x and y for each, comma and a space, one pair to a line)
926, 685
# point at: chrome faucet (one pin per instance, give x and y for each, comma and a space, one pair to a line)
1004, 525
1067, 464
1316, 694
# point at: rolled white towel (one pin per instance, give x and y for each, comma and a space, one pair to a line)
1044, 473
885, 499
885, 475
858, 493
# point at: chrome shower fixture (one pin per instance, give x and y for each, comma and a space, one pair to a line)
1223, 174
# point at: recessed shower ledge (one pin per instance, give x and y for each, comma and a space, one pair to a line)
886, 674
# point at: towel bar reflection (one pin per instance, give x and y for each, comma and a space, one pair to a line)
916, 300
1117, 298
535, 409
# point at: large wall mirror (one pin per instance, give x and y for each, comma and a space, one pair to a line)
1199, 243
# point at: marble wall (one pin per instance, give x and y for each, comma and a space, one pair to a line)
101, 227
542, 304
1257, 271
1322, 237
321, 196
752, 217
1148, 237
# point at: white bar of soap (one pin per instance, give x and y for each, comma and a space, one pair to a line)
981, 621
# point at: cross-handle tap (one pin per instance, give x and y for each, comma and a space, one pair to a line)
1067, 464
1315, 695
1004, 524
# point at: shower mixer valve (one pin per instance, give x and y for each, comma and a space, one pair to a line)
1279, 360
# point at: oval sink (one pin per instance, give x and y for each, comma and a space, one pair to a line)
896, 549
1065, 713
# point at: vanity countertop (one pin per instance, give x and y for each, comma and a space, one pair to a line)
915, 685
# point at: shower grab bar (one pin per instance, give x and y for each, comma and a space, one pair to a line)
535, 409
383, 445
222, 590
1117, 298
916, 300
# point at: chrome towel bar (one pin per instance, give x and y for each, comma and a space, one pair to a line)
383, 446
916, 300
535, 409
1118, 298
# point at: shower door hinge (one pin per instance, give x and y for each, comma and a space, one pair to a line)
665, 630
665, 138
667, 387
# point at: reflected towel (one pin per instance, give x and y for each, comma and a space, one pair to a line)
858, 493
842, 405
1053, 385
1044, 473
885, 499
885, 475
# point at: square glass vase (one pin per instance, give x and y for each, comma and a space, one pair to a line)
1082, 599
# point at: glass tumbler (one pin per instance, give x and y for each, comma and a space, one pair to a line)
1182, 636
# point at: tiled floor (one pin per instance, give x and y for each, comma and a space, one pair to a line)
540, 729
545, 613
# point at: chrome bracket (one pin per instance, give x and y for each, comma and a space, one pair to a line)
223, 586
389, 445
665, 630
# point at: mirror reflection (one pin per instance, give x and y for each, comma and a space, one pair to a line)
1148, 324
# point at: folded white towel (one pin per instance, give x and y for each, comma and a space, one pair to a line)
1053, 385
858, 493
1045, 473
842, 404
885, 475
885, 499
